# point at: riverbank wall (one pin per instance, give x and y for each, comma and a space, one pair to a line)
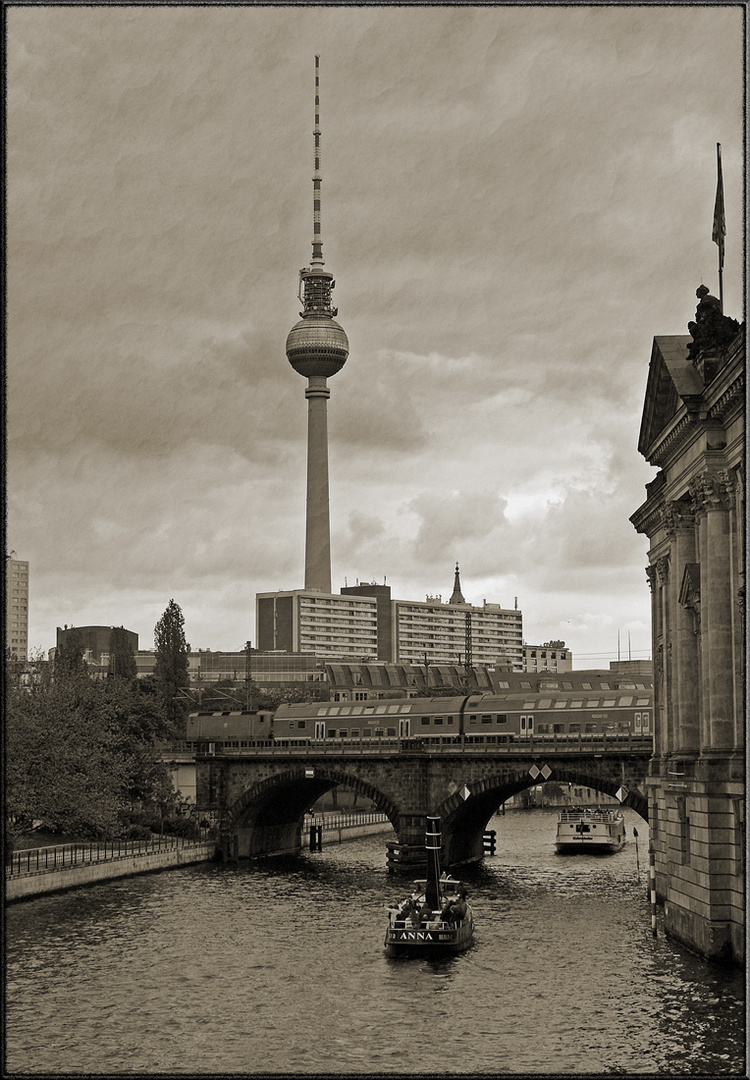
38, 883
32, 883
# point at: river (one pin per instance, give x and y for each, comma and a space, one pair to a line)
280, 968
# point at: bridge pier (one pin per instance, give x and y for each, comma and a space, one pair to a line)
261, 841
256, 841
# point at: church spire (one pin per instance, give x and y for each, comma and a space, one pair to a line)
456, 596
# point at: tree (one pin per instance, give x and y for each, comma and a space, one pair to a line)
171, 668
62, 765
80, 754
69, 662
121, 656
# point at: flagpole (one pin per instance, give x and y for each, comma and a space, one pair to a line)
720, 185
719, 227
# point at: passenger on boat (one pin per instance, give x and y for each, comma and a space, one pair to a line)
412, 912
456, 911
460, 907
425, 914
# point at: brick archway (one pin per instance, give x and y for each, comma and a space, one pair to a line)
305, 790
465, 819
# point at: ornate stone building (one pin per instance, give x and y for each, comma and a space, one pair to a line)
693, 430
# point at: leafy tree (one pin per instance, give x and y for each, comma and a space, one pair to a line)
121, 656
69, 662
62, 767
171, 668
80, 754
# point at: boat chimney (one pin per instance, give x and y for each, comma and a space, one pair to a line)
433, 843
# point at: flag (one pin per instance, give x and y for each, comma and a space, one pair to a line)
720, 225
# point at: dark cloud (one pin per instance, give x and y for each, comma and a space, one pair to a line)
515, 200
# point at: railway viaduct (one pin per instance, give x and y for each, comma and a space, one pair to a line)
261, 796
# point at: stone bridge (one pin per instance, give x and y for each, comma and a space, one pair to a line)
261, 797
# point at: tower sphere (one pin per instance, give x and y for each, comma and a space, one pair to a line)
317, 345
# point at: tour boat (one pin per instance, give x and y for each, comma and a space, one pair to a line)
593, 829
436, 917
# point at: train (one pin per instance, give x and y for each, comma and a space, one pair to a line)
474, 719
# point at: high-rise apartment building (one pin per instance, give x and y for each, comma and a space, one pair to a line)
313, 622
439, 633
364, 623
16, 607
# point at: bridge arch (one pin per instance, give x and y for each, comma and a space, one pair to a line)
465, 819
266, 818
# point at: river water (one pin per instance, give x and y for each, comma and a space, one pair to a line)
279, 968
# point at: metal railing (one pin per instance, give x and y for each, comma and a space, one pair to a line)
336, 820
67, 856
566, 744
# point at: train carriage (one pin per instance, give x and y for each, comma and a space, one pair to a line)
489, 719
547, 714
239, 730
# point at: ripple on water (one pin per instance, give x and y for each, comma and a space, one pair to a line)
280, 968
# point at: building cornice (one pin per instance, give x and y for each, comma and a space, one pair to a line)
734, 393
671, 442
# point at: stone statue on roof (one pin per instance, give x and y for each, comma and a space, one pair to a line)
711, 330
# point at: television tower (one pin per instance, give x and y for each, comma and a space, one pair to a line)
317, 347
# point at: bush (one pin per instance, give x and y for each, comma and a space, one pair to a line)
138, 832
141, 819
182, 826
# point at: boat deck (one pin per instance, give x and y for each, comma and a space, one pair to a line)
590, 829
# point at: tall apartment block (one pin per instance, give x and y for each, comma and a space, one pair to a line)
307, 621
438, 633
364, 623
17, 608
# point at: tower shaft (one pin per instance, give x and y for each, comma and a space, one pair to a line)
317, 519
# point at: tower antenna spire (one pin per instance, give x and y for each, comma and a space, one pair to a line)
317, 241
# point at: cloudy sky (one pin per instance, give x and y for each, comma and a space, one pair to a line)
515, 201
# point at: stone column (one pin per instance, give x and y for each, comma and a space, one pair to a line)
737, 585
317, 519
660, 742
664, 657
712, 497
679, 523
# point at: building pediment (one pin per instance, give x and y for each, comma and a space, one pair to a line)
673, 383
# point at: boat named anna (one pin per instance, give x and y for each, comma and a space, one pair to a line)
437, 916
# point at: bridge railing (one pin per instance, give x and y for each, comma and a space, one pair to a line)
335, 820
66, 856
439, 744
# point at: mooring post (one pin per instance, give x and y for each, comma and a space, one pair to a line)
637, 863
652, 884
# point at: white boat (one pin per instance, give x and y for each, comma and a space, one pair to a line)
437, 916
593, 829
